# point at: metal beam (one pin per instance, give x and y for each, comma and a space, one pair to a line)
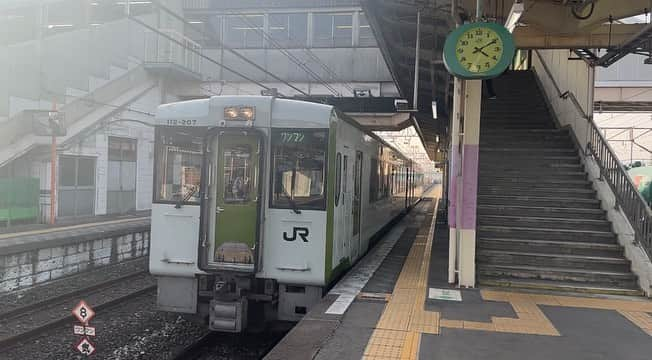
527, 37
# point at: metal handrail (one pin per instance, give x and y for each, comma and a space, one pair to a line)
627, 196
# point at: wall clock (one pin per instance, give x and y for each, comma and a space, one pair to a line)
480, 50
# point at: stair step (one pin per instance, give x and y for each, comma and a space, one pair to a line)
542, 222
541, 176
559, 286
611, 278
501, 158
551, 247
548, 182
574, 193
523, 151
553, 212
498, 257
539, 201
513, 232
488, 185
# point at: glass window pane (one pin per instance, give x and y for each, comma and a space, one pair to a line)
237, 163
299, 168
366, 37
244, 31
17, 25
338, 178
289, 30
342, 29
178, 164
113, 176
128, 176
86, 172
67, 165
322, 30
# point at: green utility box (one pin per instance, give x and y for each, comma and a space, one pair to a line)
19, 200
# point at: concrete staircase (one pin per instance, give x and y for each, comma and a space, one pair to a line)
540, 224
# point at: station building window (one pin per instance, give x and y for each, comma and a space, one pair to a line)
244, 31
289, 30
17, 25
332, 30
365, 35
205, 30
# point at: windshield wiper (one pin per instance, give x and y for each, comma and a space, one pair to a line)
292, 203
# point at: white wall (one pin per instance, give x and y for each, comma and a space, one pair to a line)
570, 75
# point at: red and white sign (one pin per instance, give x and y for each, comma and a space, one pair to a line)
83, 330
83, 312
85, 347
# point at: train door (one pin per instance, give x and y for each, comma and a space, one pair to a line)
356, 203
235, 199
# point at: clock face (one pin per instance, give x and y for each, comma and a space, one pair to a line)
479, 49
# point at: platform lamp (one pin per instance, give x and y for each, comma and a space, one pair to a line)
434, 109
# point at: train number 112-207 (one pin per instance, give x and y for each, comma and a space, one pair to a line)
175, 122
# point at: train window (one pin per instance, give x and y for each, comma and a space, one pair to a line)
178, 165
373, 180
338, 178
299, 169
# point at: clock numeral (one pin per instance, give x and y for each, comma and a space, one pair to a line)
464, 43
494, 57
460, 50
463, 59
477, 67
478, 32
486, 65
469, 65
469, 36
497, 48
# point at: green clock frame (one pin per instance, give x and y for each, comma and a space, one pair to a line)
453, 65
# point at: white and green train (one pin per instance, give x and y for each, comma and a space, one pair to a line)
260, 203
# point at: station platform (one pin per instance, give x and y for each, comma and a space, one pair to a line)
35, 254
33, 236
396, 303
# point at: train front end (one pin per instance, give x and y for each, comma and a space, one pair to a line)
239, 210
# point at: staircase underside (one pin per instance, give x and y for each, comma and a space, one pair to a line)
540, 224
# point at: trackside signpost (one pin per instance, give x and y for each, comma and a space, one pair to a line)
84, 313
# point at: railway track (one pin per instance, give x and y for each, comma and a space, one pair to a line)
235, 346
25, 322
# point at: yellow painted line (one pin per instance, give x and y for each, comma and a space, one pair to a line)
71, 227
398, 332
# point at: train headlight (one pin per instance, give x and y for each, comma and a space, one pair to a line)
248, 113
239, 113
230, 113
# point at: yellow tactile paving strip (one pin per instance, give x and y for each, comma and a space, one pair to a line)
398, 332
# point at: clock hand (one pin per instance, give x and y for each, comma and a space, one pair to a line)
479, 50
492, 42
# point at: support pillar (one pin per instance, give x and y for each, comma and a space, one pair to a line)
463, 190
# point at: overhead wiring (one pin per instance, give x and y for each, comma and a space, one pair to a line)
289, 55
199, 53
212, 36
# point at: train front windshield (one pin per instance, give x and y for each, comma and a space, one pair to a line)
299, 169
178, 165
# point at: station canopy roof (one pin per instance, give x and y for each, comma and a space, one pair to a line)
539, 24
